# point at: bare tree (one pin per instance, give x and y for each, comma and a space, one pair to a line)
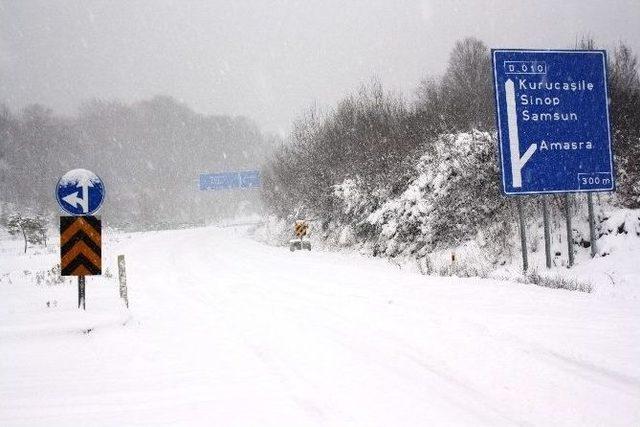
624, 91
463, 98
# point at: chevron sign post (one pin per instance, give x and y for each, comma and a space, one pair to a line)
80, 250
80, 192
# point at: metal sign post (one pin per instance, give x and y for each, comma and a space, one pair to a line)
80, 193
300, 228
523, 235
553, 123
567, 212
547, 231
80, 250
592, 226
81, 295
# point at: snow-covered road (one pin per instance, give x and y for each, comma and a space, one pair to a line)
226, 331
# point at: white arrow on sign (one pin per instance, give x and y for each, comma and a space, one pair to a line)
83, 202
517, 162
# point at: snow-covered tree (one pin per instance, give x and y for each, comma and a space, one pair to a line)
32, 228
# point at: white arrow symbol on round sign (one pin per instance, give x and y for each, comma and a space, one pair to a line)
83, 202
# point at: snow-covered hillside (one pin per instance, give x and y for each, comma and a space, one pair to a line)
224, 330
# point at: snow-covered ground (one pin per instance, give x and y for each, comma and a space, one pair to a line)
223, 330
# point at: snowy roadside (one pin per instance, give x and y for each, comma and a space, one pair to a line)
37, 301
614, 271
446, 217
219, 321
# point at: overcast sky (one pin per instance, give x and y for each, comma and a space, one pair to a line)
268, 59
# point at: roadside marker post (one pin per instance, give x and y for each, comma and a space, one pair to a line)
122, 278
553, 124
300, 229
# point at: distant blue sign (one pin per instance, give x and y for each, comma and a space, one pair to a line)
230, 180
80, 192
553, 121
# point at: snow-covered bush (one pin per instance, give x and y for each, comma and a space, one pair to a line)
556, 282
450, 194
455, 192
273, 230
416, 180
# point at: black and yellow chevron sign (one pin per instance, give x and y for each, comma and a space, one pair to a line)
300, 228
80, 246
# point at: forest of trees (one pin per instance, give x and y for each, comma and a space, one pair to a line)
149, 155
375, 139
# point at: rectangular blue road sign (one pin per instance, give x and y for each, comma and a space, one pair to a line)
553, 121
229, 180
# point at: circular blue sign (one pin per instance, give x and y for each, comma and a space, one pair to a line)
80, 192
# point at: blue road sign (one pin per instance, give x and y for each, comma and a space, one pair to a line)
80, 192
553, 121
229, 180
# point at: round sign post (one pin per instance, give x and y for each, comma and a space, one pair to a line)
80, 193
